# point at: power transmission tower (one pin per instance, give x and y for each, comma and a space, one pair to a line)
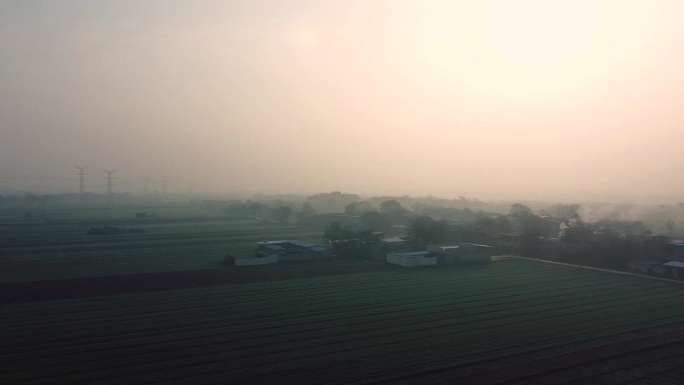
109, 181
164, 185
147, 186
81, 179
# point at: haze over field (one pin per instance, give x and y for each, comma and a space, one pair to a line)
525, 99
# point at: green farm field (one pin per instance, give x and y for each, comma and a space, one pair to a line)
495, 323
178, 239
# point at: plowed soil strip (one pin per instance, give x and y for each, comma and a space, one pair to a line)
19, 292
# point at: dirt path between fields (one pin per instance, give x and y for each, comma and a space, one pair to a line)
508, 256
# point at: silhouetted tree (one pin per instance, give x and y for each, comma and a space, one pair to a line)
255, 208
426, 230
575, 231
520, 210
484, 222
563, 211
305, 213
350, 209
344, 241
669, 225
502, 224
531, 226
393, 208
281, 213
336, 232
375, 221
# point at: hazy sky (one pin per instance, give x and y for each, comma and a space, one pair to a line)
516, 98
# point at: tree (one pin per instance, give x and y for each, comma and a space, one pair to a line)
281, 213
375, 221
307, 209
255, 208
563, 211
393, 208
335, 232
574, 231
531, 226
305, 213
427, 231
345, 242
484, 222
350, 209
502, 224
520, 210
670, 225
333, 202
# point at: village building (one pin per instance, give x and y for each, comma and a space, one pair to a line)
448, 255
293, 251
399, 230
269, 252
674, 269
508, 242
393, 243
257, 259
412, 258
463, 253
473, 252
674, 251
621, 228
647, 267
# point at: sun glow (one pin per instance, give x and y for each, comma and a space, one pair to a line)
542, 32
522, 48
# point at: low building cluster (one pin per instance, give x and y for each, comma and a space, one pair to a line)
673, 267
464, 253
268, 252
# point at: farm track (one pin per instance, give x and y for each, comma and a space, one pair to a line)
358, 328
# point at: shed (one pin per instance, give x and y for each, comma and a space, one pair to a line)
473, 252
274, 247
508, 241
675, 250
258, 259
393, 240
647, 267
412, 258
446, 254
674, 269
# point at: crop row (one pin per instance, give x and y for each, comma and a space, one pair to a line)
364, 326
463, 281
393, 322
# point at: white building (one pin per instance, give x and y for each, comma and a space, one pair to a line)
412, 258
472, 252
